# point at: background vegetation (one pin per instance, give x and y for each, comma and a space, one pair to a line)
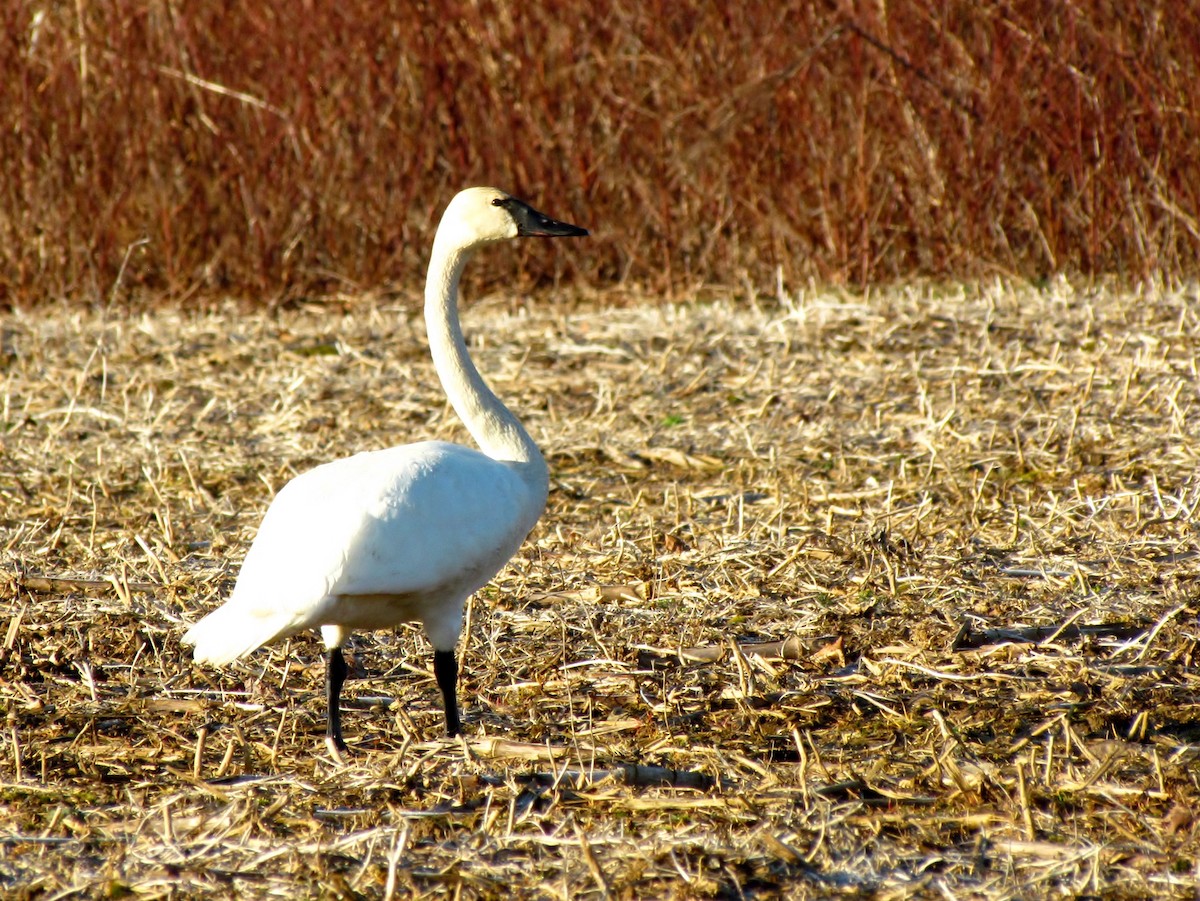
183, 150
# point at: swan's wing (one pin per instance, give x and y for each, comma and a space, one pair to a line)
429, 520
442, 521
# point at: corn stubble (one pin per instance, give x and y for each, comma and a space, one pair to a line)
836, 594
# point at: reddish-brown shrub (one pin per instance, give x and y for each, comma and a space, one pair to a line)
273, 150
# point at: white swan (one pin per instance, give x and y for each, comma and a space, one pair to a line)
405, 534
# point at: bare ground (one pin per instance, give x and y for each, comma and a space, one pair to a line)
835, 596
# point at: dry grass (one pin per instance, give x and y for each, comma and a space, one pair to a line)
181, 150
967, 517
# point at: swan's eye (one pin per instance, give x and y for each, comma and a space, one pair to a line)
496, 201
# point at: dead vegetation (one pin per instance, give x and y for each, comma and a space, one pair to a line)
190, 150
837, 595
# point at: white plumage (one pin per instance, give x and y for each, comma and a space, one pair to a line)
405, 534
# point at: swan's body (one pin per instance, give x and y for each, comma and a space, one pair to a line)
405, 534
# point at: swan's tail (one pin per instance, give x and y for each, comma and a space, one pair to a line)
229, 633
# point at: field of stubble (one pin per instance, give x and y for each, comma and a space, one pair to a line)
835, 596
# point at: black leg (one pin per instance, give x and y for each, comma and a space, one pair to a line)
445, 667
335, 676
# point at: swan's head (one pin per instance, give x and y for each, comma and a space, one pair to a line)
483, 215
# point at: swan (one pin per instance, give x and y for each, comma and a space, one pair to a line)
405, 534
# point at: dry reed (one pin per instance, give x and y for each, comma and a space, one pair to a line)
191, 151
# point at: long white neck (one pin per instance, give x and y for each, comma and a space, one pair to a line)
492, 425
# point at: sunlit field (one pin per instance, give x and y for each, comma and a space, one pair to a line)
856, 595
